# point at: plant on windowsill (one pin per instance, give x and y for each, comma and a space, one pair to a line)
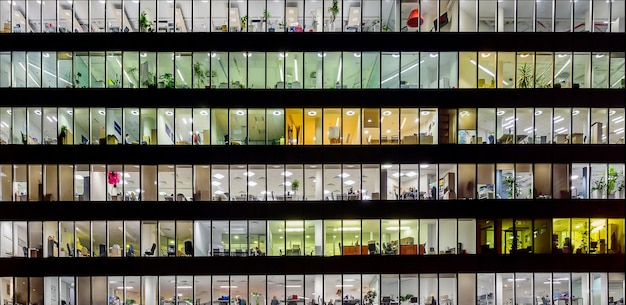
386, 28
130, 301
612, 178
243, 20
334, 11
370, 297
374, 25
145, 25
525, 79
150, 81
62, 134
201, 75
266, 15
114, 83
313, 13
599, 186
511, 186
77, 80
406, 298
257, 297
295, 185
167, 80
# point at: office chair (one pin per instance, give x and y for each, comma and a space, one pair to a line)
188, 248
295, 250
171, 250
151, 252
69, 250
25, 251
131, 251
371, 247
103, 250
216, 252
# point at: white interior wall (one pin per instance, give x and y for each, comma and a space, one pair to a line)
202, 238
50, 285
447, 234
467, 235
6, 241
98, 189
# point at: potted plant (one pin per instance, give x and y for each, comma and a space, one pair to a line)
620, 188
334, 11
62, 135
77, 80
145, 25
295, 185
257, 297
612, 185
374, 25
370, 297
599, 186
406, 298
167, 80
266, 18
525, 79
130, 301
386, 28
201, 75
281, 25
244, 20
114, 83
313, 13
512, 186
150, 81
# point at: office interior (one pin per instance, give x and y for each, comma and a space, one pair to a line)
309, 126
310, 182
327, 237
311, 70
403, 289
114, 16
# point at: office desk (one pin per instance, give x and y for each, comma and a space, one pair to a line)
34, 252
508, 139
355, 250
411, 250
115, 252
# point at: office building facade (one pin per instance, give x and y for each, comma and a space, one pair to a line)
305, 152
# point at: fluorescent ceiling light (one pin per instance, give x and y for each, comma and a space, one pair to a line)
294, 230
395, 228
353, 229
487, 71
402, 72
